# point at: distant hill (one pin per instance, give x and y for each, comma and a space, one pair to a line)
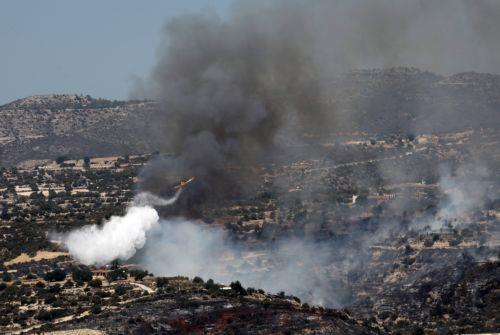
401, 100
61, 101
41, 127
382, 101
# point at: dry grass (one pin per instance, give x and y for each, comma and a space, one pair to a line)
77, 332
25, 258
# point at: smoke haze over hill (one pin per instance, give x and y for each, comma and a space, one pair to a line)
228, 86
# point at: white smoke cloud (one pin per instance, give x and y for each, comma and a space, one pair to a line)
121, 236
118, 238
149, 199
181, 247
465, 190
176, 246
464, 193
297, 266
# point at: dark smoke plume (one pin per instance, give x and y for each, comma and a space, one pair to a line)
228, 86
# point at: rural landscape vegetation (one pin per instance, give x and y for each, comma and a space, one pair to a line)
248, 194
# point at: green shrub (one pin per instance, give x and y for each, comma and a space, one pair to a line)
47, 315
238, 288
138, 274
121, 289
197, 280
6, 277
161, 281
96, 309
55, 275
81, 274
95, 283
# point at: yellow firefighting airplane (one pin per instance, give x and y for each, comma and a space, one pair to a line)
183, 183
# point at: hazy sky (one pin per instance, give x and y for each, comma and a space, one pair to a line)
87, 47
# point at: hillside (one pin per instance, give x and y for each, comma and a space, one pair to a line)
396, 100
44, 127
375, 254
127, 300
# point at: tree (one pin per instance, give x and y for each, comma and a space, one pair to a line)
56, 275
50, 299
138, 274
81, 274
52, 194
238, 288
5, 214
116, 274
418, 331
428, 242
96, 309
60, 159
408, 249
86, 161
47, 315
115, 264
6, 277
96, 283
209, 284
161, 281
121, 289
31, 276
197, 280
